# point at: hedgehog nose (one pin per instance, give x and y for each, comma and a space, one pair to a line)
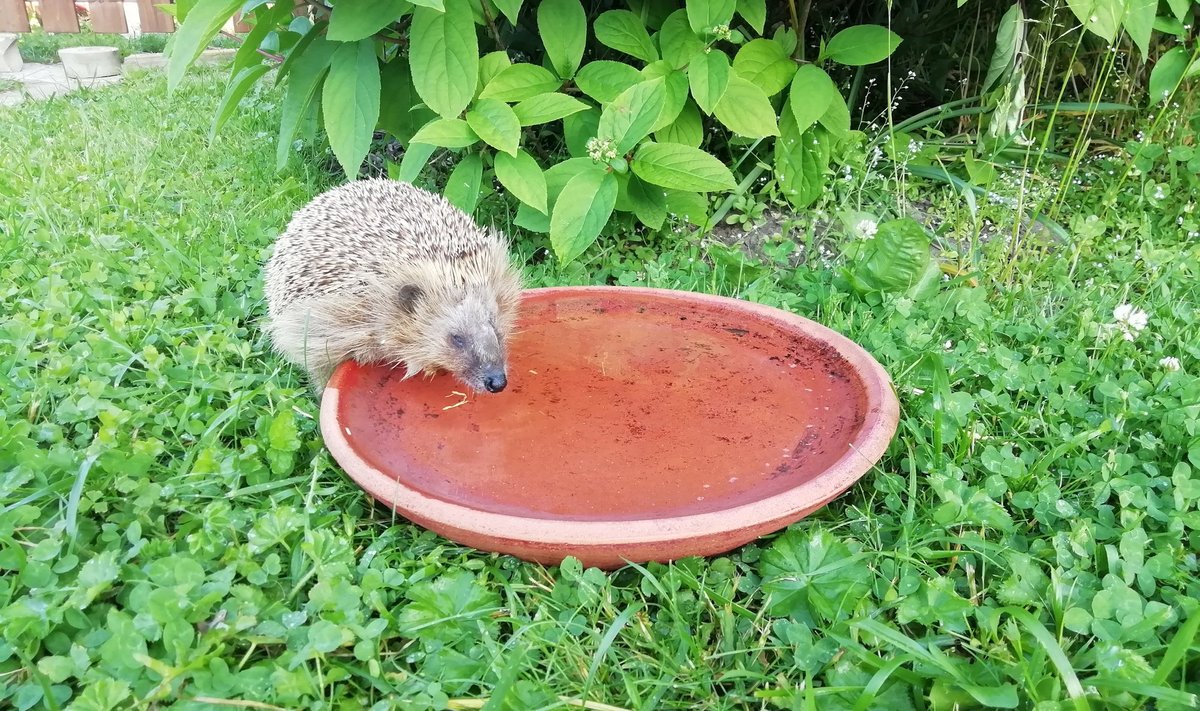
495, 381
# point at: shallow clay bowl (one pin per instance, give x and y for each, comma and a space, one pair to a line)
638, 425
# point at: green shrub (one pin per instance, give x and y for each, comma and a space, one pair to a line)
631, 113
654, 104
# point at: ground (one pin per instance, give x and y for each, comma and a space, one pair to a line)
174, 535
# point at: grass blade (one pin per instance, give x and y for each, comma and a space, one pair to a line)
1057, 656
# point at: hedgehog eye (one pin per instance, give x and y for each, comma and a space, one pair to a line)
458, 341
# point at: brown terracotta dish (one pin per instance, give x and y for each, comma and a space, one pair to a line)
638, 425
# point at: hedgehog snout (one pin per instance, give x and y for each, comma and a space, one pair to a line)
494, 380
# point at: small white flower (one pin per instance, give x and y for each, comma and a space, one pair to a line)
1128, 320
1130, 317
948, 345
1170, 363
601, 150
866, 227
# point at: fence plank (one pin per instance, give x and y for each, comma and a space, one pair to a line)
13, 17
108, 17
59, 16
153, 19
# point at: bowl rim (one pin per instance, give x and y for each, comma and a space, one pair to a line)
865, 450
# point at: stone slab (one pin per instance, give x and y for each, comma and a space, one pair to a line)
145, 60
10, 54
86, 63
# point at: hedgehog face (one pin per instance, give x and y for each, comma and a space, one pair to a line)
458, 330
472, 348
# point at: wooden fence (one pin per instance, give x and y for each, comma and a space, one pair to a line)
103, 16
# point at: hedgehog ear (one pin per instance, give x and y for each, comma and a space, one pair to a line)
408, 296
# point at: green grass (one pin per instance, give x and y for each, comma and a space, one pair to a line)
172, 529
42, 47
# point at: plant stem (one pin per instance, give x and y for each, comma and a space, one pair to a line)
491, 23
799, 20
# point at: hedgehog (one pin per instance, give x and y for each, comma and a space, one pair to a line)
381, 271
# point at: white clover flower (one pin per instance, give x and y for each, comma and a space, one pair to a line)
1130, 320
1170, 363
866, 227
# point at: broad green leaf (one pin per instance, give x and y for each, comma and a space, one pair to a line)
462, 187
1009, 38
746, 110
679, 44
692, 207
265, 19
445, 57
1180, 8
496, 124
801, 159
523, 177
624, 32
310, 35
676, 91
400, 109
283, 441
239, 84
562, 25
680, 167
631, 116
490, 65
533, 220
687, 128
708, 75
811, 94
544, 108
438, 5
1139, 22
754, 12
861, 45
603, 80
352, 20
557, 177
1100, 17
786, 37
836, 118
510, 8
416, 156
446, 133
519, 82
648, 202
351, 103
559, 174
578, 128
581, 212
763, 63
197, 30
307, 75
897, 259
1167, 73
447, 609
813, 574
703, 15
